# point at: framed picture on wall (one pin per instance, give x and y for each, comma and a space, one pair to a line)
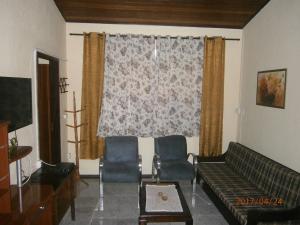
271, 85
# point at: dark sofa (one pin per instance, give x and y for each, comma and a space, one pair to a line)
249, 188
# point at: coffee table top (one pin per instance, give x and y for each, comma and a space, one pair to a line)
160, 215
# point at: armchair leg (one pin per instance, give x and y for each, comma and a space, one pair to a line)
101, 196
101, 200
193, 200
195, 163
155, 176
194, 185
153, 171
139, 183
139, 196
158, 175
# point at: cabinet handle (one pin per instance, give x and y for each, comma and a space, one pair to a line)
42, 207
2, 146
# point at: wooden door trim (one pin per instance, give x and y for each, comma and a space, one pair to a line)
52, 61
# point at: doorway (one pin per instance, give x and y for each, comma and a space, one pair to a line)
48, 108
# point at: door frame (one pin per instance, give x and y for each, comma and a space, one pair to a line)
38, 54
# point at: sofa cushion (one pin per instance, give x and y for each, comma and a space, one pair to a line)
176, 170
237, 193
220, 176
269, 176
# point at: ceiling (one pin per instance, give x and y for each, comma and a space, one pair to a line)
197, 13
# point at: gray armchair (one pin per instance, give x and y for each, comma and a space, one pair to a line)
170, 161
120, 162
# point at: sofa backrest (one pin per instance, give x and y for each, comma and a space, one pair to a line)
269, 176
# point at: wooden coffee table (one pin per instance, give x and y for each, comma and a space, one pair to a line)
163, 216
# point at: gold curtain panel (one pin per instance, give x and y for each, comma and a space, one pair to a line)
92, 90
211, 125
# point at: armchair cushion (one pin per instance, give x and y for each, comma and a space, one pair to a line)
171, 147
121, 149
176, 170
120, 172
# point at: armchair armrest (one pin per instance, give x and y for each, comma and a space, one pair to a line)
140, 170
195, 158
268, 215
195, 163
156, 161
101, 162
156, 164
212, 159
140, 161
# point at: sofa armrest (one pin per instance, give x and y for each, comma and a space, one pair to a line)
269, 215
212, 159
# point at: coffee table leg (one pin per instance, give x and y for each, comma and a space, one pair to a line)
189, 222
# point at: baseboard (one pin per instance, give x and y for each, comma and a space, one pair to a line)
96, 176
89, 176
146, 176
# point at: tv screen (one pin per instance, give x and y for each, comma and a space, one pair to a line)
15, 102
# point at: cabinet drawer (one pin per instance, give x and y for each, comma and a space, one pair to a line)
3, 146
4, 180
5, 206
3, 137
3, 163
4, 170
42, 215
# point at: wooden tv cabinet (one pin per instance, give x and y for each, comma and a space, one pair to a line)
44, 199
62, 178
30, 205
5, 206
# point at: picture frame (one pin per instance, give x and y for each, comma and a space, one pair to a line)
271, 88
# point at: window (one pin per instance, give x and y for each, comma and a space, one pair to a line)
152, 86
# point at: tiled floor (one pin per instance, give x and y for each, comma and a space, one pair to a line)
121, 206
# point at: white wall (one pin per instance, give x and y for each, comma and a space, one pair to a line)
26, 26
146, 145
272, 41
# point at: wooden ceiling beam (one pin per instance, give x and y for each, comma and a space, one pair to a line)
210, 13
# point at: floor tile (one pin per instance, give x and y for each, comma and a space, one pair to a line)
121, 205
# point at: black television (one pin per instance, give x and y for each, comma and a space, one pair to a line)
15, 102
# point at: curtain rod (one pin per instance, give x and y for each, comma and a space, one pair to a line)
148, 36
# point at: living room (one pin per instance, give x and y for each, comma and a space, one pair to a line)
268, 42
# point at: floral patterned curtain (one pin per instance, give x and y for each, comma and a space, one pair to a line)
152, 87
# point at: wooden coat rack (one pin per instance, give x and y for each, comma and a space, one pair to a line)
75, 126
